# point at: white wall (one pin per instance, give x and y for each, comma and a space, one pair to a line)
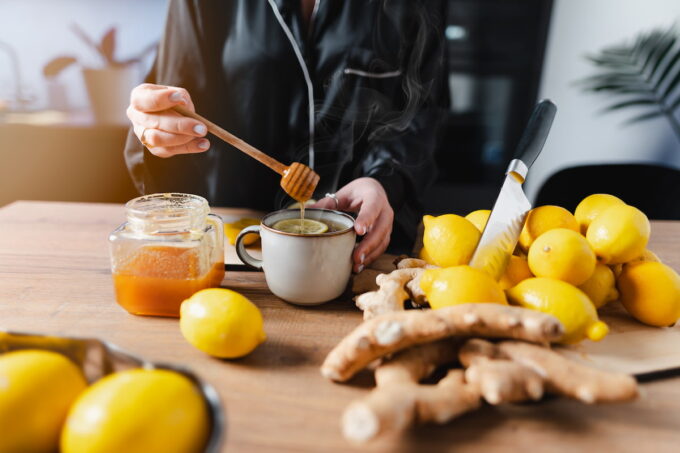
40, 29
582, 134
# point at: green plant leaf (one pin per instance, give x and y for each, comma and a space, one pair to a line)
672, 85
675, 104
660, 56
644, 117
671, 63
644, 73
630, 103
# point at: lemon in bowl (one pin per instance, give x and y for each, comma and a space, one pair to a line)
36, 390
138, 411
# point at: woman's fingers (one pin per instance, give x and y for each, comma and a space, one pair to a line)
168, 121
371, 207
165, 132
148, 97
197, 145
375, 242
157, 138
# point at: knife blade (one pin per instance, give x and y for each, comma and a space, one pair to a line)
499, 239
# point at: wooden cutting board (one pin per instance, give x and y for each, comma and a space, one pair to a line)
630, 347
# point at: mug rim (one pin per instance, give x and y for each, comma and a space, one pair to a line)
286, 233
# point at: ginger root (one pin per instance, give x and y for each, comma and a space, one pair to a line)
388, 292
504, 381
390, 295
391, 332
399, 401
396, 407
559, 374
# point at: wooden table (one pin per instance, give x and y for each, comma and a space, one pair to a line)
55, 278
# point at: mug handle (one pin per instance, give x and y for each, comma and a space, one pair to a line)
241, 248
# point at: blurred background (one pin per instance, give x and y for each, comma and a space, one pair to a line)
61, 137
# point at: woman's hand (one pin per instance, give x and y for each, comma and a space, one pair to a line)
165, 132
367, 197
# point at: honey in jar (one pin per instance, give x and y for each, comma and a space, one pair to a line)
169, 248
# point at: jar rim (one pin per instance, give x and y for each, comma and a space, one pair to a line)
167, 212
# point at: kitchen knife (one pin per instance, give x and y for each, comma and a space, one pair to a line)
505, 223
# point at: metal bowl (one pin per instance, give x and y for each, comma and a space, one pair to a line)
99, 358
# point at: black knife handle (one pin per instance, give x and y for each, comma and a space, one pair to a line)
536, 132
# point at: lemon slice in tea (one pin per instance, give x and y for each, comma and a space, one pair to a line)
301, 226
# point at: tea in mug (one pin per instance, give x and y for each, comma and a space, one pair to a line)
307, 226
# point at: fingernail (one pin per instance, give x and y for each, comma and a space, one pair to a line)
360, 268
200, 129
361, 230
363, 257
176, 96
204, 144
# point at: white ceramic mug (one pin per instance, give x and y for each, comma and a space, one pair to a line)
305, 269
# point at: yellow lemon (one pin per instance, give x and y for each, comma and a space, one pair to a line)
601, 286
591, 206
231, 230
301, 226
542, 219
479, 218
222, 323
562, 254
517, 270
449, 240
565, 302
138, 411
424, 256
619, 234
650, 292
36, 390
460, 285
647, 255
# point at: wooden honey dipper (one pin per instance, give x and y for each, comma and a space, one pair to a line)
298, 180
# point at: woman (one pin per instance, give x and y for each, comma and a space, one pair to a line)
351, 88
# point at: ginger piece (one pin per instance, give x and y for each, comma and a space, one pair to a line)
498, 380
572, 379
405, 263
560, 375
504, 381
391, 332
395, 407
388, 292
417, 362
390, 295
364, 281
399, 401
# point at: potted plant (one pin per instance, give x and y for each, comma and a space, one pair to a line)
644, 73
108, 86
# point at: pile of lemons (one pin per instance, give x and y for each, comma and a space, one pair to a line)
47, 406
565, 264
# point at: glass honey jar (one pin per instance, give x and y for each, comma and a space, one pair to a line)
169, 248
